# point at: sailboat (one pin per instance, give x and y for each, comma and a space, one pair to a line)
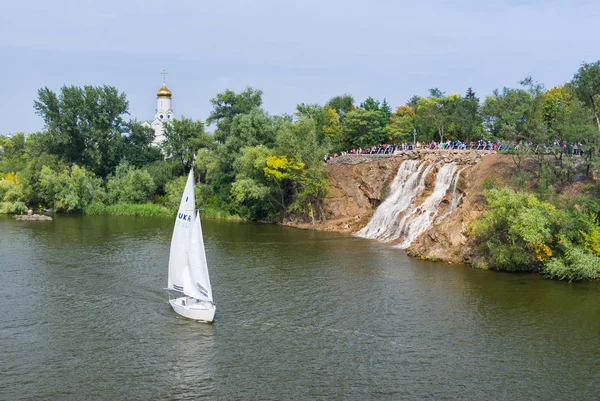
188, 271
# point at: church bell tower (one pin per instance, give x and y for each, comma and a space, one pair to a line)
164, 113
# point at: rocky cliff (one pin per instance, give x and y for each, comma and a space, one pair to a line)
360, 183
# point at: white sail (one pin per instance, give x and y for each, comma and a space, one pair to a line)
196, 283
181, 236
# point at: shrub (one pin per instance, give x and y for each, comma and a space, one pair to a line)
129, 185
174, 189
11, 191
576, 264
162, 173
71, 190
516, 231
12, 195
13, 207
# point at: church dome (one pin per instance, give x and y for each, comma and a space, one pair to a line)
164, 92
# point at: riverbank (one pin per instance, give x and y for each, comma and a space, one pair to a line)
144, 210
439, 223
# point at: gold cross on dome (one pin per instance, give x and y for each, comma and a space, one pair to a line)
164, 74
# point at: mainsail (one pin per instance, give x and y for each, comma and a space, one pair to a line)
196, 283
178, 258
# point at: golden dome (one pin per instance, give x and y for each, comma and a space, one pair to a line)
164, 92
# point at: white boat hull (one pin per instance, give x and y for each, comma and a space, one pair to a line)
193, 308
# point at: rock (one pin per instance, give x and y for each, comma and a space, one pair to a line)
33, 217
359, 183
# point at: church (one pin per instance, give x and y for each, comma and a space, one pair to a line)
164, 113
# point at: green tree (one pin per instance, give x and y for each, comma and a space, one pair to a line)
370, 104
205, 164
567, 117
137, 146
577, 264
586, 83
84, 125
363, 128
414, 101
386, 112
383, 109
251, 129
298, 140
298, 155
13, 196
534, 125
439, 109
183, 138
13, 155
517, 230
311, 110
467, 117
341, 104
130, 185
246, 130
320, 115
252, 196
162, 172
229, 104
70, 190
506, 113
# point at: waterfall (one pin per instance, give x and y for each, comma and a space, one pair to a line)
422, 216
400, 216
454, 200
403, 190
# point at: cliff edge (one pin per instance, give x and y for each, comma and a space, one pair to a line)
360, 183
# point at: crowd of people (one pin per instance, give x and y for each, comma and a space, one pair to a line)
383, 149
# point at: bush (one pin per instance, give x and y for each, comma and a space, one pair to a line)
71, 190
576, 264
11, 190
13, 207
174, 189
519, 232
516, 230
162, 173
205, 200
129, 185
510, 257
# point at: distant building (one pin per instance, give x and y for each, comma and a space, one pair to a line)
164, 114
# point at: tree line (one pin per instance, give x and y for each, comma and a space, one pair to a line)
253, 164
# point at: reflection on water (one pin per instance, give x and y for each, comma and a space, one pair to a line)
300, 314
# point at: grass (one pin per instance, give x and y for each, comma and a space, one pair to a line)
153, 210
213, 212
129, 209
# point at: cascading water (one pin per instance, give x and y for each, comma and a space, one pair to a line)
422, 216
404, 188
399, 216
454, 200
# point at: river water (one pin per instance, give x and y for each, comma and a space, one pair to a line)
300, 315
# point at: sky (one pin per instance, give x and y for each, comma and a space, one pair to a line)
295, 51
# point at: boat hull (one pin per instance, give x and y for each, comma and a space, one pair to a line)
192, 308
